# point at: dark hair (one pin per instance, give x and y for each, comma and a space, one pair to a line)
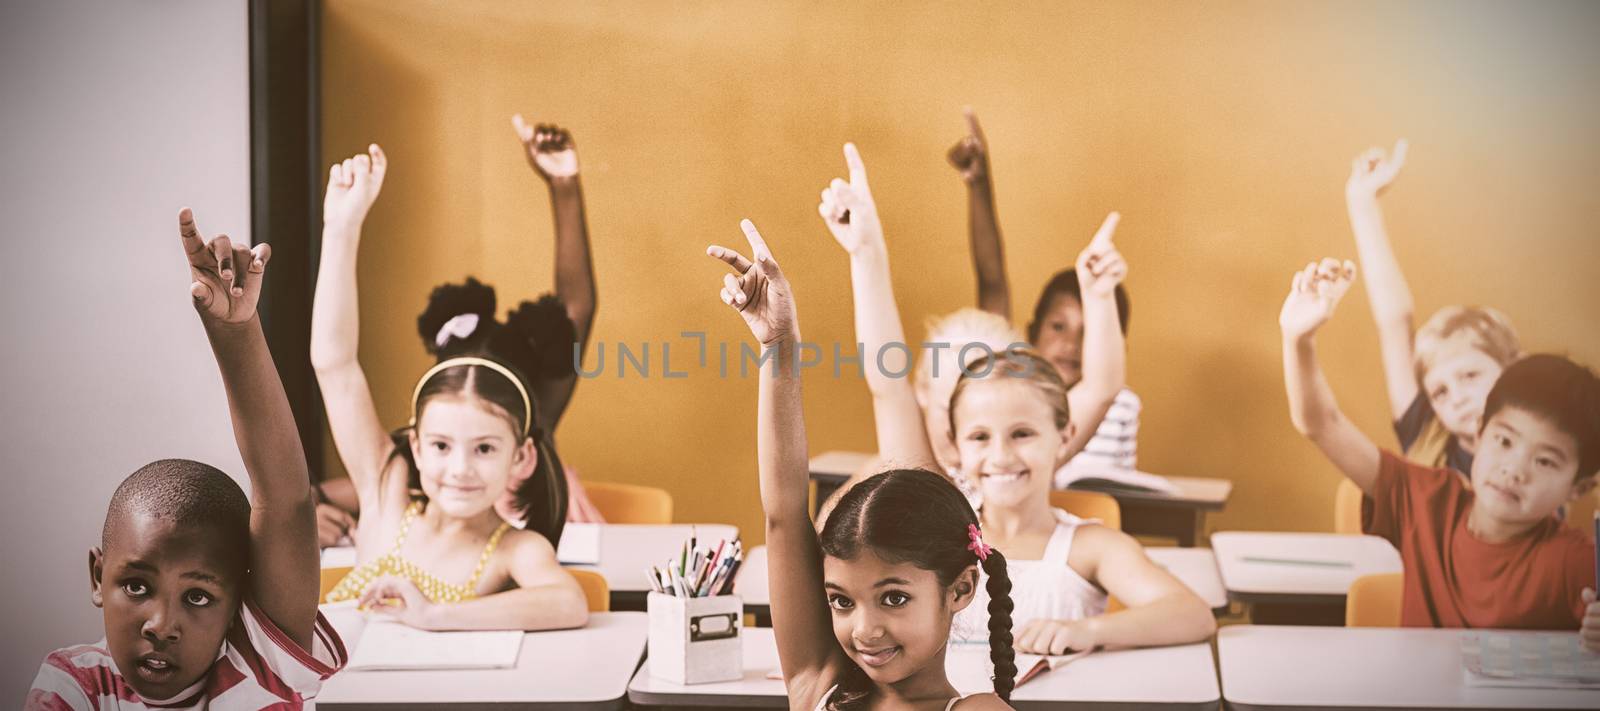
1065, 283
918, 517
1556, 389
529, 341
198, 495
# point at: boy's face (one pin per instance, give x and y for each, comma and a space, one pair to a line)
1457, 386
891, 618
467, 455
169, 593
1007, 440
1524, 468
1061, 337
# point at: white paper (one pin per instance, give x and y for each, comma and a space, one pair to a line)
580, 544
386, 644
1032, 665
1528, 659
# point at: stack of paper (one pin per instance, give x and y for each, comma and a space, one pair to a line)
580, 544
386, 644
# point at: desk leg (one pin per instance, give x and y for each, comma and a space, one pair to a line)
1186, 525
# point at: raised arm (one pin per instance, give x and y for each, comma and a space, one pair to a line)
545, 596
1100, 269
225, 282
970, 156
807, 651
1312, 299
1387, 292
554, 157
363, 445
852, 217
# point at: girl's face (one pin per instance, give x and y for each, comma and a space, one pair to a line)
892, 619
467, 454
1457, 385
1007, 440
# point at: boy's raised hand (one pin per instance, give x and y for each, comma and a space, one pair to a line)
225, 278
1314, 295
848, 209
970, 155
353, 185
550, 149
1589, 631
758, 292
1373, 171
1100, 266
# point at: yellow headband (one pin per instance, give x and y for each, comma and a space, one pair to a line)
527, 407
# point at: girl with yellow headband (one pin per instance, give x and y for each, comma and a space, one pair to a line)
432, 550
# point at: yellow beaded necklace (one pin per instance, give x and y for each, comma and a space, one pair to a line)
392, 563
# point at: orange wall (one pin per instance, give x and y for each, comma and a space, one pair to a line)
1222, 131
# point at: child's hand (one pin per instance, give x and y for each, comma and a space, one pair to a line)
1589, 633
848, 208
550, 149
353, 185
397, 598
334, 526
220, 290
759, 293
1100, 266
1314, 296
1041, 636
970, 155
1372, 171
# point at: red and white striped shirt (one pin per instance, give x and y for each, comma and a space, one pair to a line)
258, 667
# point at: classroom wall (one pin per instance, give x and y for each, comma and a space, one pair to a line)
115, 115
1223, 132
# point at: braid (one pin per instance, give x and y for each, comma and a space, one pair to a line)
1001, 654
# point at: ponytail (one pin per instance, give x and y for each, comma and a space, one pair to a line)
1001, 654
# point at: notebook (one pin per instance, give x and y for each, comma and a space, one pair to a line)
386, 644
1528, 659
1112, 480
580, 544
1030, 666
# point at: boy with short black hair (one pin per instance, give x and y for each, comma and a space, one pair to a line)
1486, 555
209, 600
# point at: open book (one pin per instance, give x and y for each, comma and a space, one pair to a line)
1114, 480
386, 644
1528, 659
1032, 665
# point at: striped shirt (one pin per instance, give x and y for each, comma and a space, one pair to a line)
258, 667
1115, 444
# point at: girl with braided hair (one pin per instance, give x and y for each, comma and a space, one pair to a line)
862, 611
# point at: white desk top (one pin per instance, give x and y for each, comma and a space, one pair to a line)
628, 550
1277, 667
1346, 558
1196, 567
584, 668
1188, 679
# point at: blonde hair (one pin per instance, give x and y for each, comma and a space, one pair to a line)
1023, 364
1483, 329
957, 330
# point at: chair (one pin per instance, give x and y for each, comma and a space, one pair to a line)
1374, 601
1089, 504
630, 503
595, 589
330, 579
1347, 508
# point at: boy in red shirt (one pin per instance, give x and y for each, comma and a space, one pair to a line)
1491, 554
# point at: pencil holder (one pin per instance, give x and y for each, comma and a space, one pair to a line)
695, 640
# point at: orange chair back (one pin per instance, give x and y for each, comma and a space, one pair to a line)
1374, 601
595, 589
1089, 504
630, 503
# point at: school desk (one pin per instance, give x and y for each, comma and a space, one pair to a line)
1298, 577
1195, 567
626, 551
1119, 680
1405, 669
1180, 516
580, 669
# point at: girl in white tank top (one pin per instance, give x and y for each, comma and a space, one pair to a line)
1046, 588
